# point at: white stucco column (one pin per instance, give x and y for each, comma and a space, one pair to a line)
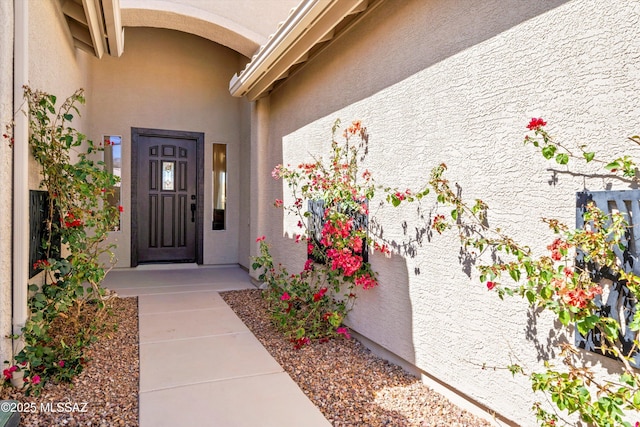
259, 170
21, 167
6, 154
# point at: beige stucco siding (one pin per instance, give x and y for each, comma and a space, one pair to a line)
171, 80
457, 82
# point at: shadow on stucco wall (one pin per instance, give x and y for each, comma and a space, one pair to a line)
391, 303
396, 41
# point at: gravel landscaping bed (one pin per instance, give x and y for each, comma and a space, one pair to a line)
349, 384
105, 393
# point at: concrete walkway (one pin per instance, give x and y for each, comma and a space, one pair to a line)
199, 364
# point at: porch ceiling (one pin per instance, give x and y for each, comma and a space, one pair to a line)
95, 26
308, 30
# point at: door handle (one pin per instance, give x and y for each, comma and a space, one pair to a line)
193, 212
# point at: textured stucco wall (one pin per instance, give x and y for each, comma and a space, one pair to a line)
6, 108
171, 80
55, 65
436, 83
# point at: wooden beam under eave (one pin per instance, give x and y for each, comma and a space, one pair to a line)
361, 7
94, 22
79, 44
328, 36
75, 11
113, 27
80, 32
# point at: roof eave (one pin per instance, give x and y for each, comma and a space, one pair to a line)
311, 22
95, 26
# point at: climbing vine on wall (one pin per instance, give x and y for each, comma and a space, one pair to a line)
69, 306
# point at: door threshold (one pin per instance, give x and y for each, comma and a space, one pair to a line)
167, 266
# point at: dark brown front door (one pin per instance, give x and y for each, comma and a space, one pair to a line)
167, 214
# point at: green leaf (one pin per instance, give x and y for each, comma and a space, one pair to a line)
565, 317
613, 166
515, 274
588, 156
548, 151
546, 292
562, 159
587, 324
454, 214
531, 296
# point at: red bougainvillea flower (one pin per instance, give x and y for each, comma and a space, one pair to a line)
536, 123
121, 208
285, 297
41, 264
260, 239
310, 248
300, 342
558, 248
491, 285
36, 379
61, 363
344, 332
318, 295
71, 221
278, 203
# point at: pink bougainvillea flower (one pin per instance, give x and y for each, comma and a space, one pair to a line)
310, 248
536, 123
275, 173
61, 363
260, 239
278, 203
285, 297
308, 265
7, 374
344, 332
366, 281
36, 379
491, 285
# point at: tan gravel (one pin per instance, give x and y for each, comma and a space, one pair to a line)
105, 393
350, 385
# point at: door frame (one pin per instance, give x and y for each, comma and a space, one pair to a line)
198, 138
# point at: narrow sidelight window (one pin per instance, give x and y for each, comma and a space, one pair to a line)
219, 177
113, 162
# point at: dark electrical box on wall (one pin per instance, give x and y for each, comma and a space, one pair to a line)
38, 217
